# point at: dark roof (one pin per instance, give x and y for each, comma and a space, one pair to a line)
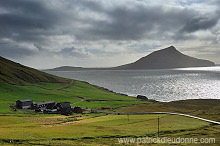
25, 100
45, 102
64, 104
76, 107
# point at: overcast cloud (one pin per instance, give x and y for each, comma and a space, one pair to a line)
99, 33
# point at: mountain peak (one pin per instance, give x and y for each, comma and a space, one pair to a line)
170, 49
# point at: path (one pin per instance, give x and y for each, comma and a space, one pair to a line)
78, 101
70, 84
143, 113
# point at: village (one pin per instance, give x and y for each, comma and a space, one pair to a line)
46, 107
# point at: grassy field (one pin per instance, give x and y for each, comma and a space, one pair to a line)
72, 92
45, 129
95, 129
206, 108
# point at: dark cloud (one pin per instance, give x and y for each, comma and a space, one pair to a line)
26, 20
200, 23
146, 22
34, 20
34, 27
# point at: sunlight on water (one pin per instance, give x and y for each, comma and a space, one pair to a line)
162, 85
214, 68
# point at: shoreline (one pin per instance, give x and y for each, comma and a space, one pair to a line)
164, 86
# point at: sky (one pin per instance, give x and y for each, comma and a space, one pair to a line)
105, 33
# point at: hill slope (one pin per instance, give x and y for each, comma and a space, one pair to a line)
166, 58
15, 73
21, 82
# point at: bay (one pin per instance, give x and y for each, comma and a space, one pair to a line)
162, 85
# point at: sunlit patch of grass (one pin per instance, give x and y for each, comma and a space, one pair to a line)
111, 104
109, 125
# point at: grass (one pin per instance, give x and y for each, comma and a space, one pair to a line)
97, 129
89, 91
49, 86
15, 73
22, 128
60, 92
11, 93
111, 104
206, 108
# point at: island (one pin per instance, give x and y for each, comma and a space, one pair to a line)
166, 58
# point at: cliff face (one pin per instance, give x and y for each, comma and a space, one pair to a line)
166, 58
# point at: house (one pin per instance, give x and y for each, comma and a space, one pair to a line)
63, 105
24, 104
77, 110
64, 108
42, 105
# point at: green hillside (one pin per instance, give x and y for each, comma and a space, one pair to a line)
72, 92
15, 73
21, 82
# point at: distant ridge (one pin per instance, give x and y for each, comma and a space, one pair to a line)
166, 58
66, 68
71, 68
15, 73
162, 59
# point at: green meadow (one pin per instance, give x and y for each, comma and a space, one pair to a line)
30, 128
41, 129
60, 92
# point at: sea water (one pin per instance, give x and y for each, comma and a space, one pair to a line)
162, 85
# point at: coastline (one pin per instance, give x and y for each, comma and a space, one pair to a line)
161, 85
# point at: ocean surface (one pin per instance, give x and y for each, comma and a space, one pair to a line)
162, 85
